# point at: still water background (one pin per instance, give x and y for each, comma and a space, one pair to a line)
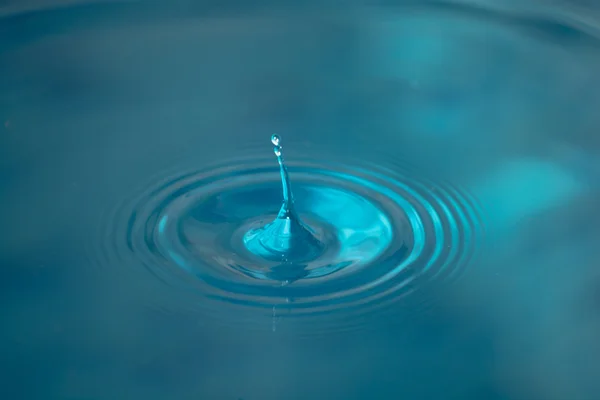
97, 99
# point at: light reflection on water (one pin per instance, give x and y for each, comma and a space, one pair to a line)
95, 102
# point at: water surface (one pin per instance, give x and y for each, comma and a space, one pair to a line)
482, 118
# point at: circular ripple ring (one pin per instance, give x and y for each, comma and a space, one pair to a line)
387, 234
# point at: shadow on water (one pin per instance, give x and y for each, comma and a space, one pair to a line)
468, 133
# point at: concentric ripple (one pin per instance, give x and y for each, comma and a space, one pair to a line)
385, 234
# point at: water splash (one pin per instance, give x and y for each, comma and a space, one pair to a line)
287, 208
384, 235
287, 238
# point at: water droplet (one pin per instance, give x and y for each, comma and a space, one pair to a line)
275, 140
277, 151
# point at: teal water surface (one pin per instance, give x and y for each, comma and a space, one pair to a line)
439, 237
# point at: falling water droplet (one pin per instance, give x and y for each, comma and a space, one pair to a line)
275, 140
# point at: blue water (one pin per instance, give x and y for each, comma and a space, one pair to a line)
433, 234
